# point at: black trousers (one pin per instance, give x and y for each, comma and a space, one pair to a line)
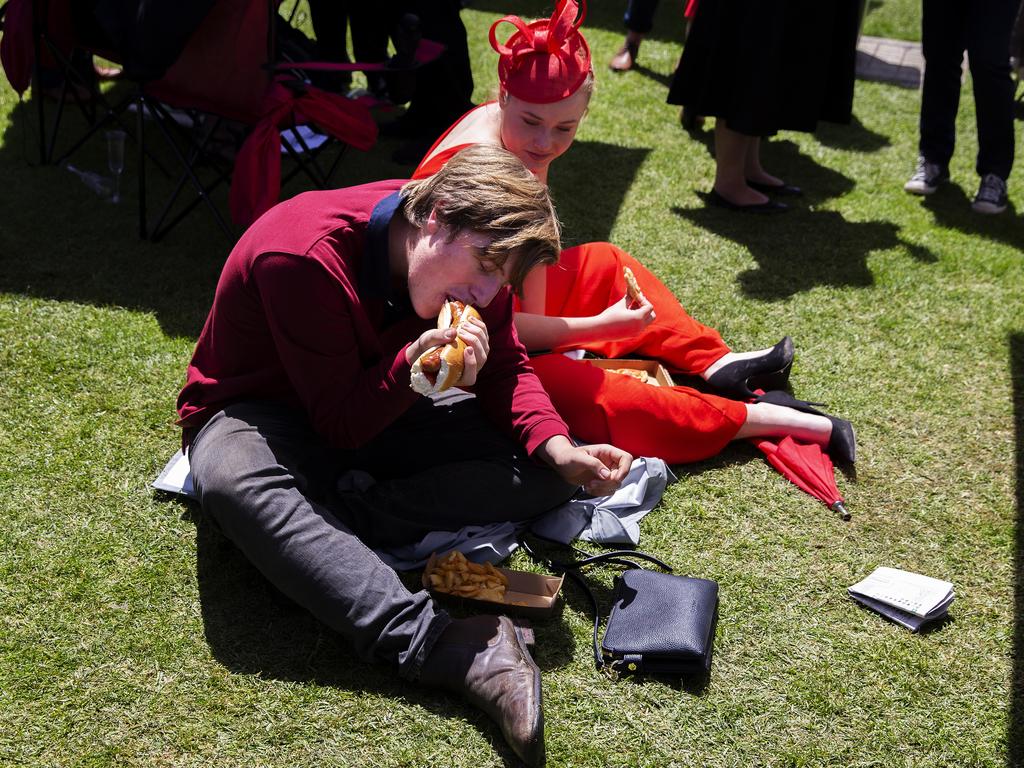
982, 28
270, 483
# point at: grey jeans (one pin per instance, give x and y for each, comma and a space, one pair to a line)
270, 483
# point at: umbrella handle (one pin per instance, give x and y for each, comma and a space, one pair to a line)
840, 508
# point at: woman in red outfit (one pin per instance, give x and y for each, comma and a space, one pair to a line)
581, 303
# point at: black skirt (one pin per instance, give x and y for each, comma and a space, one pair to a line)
770, 65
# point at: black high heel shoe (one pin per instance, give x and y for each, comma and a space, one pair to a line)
842, 443
767, 371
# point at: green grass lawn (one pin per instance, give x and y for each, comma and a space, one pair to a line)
131, 634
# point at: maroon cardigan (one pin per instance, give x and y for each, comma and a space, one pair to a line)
303, 315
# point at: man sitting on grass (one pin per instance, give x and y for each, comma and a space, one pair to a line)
302, 372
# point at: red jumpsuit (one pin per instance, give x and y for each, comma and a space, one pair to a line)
677, 424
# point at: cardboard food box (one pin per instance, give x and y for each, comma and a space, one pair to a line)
657, 374
530, 595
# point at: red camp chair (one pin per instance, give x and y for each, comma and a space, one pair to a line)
41, 34
227, 72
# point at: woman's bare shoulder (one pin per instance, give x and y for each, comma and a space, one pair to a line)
480, 126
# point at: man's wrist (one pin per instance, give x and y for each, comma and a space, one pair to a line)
550, 450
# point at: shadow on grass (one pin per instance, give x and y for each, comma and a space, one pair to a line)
253, 629
590, 217
856, 136
638, 67
1015, 725
804, 247
951, 207
61, 241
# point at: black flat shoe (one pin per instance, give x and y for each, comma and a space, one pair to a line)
842, 443
786, 190
767, 371
769, 206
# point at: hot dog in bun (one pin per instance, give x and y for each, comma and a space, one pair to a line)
440, 368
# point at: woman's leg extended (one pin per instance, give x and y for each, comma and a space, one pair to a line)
588, 279
677, 424
262, 475
769, 420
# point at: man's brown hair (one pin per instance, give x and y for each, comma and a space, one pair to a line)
486, 189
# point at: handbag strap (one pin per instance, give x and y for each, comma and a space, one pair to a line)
571, 568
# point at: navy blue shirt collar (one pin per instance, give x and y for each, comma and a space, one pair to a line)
375, 273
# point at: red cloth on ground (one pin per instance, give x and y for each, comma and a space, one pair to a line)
677, 424
588, 279
256, 183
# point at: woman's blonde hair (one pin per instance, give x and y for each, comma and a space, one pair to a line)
486, 189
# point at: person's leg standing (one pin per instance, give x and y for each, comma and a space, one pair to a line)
943, 43
988, 51
639, 15
639, 20
262, 473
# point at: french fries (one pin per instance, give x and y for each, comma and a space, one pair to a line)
454, 574
636, 373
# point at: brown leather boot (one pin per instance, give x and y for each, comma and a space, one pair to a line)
485, 660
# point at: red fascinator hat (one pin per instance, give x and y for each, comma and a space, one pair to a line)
545, 61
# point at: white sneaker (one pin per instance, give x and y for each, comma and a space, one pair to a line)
991, 197
926, 178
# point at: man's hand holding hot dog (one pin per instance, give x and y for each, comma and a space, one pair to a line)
600, 469
456, 322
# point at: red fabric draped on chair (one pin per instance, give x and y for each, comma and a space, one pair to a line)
225, 71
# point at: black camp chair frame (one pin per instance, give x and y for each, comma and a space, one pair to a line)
191, 149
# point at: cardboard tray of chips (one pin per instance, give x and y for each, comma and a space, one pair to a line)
657, 374
530, 595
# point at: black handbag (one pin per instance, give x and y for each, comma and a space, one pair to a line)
659, 624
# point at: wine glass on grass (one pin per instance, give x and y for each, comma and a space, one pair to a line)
115, 160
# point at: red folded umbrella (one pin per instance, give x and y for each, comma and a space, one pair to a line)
808, 467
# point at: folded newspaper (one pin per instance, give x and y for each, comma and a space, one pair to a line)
907, 598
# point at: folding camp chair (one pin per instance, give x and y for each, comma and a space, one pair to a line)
226, 73
41, 35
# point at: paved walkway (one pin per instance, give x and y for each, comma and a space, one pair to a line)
890, 61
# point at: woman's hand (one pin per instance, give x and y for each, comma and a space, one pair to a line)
625, 319
600, 469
